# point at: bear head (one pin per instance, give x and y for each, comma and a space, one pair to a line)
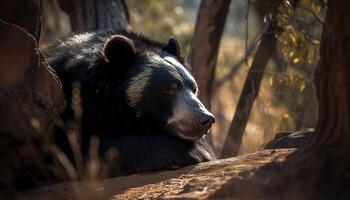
158, 88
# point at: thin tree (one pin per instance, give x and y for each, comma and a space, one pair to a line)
205, 44
251, 86
92, 15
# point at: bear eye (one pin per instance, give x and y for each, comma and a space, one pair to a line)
170, 89
194, 88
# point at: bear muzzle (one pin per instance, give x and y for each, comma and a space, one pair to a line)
191, 120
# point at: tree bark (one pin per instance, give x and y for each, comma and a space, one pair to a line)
31, 99
23, 13
251, 88
92, 15
205, 44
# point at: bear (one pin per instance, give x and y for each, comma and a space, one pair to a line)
137, 96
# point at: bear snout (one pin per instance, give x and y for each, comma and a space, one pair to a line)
205, 120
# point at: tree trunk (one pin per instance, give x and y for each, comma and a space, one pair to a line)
31, 99
205, 44
23, 13
92, 15
251, 88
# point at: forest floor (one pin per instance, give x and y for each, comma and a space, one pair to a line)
199, 181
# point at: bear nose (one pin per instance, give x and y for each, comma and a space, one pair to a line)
206, 119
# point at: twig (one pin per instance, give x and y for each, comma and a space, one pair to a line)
314, 14
246, 34
235, 67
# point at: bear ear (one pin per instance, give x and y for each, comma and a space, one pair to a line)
119, 49
173, 47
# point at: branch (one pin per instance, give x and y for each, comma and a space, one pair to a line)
235, 67
314, 14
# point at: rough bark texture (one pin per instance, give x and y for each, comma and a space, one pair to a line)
23, 13
31, 100
205, 44
251, 88
200, 181
92, 15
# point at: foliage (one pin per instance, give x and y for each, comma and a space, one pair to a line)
298, 45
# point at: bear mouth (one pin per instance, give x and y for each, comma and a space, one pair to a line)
189, 135
185, 130
192, 137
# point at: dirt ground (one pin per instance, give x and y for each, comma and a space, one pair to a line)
193, 182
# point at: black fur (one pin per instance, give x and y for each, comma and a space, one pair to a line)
138, 153
106, 113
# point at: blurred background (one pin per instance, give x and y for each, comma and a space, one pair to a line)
287, 99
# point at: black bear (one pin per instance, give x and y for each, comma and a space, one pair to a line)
137, 97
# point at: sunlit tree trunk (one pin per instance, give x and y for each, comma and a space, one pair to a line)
251, 88
92, 15
205, 44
